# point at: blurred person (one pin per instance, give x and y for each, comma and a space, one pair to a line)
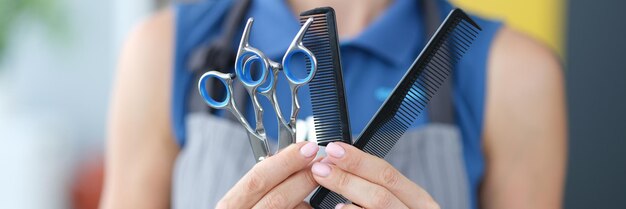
504, 148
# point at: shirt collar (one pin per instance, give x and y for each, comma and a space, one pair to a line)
393, 36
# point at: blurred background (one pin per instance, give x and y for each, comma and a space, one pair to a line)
57, 59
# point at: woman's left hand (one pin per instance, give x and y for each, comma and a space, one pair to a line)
367, 180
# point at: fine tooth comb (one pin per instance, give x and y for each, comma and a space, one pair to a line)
410, 97
328, 101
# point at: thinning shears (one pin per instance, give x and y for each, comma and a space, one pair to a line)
264, 84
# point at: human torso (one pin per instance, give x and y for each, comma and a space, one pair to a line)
445, 159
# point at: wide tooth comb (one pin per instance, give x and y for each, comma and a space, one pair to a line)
328, 101
410, 97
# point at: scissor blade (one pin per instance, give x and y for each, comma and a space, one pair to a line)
259, 146
286, 135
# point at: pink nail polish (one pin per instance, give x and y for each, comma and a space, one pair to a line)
320, 169
335, 150
309, 149
339, 206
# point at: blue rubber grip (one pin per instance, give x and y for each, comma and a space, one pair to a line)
205, 94
242, 68
289, 74
268, 85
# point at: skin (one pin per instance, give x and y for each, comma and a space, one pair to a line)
524, 136
367, 180
281, 181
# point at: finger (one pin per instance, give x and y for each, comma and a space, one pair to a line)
269, 173
290, 192
378, 171
356, 189
347, 206
303, 205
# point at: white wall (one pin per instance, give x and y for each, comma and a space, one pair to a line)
54, 97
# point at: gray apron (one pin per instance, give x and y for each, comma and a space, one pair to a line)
217, 154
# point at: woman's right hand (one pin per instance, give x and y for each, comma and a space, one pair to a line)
280, 181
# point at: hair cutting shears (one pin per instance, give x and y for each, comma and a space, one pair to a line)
263, 84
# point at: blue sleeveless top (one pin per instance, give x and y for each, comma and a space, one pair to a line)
373, 62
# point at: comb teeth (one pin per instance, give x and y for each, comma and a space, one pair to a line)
328, 101
431, 69
411, 96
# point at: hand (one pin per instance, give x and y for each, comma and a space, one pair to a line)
367, 180
280, 181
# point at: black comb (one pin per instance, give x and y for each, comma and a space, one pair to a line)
410, 97
328, 100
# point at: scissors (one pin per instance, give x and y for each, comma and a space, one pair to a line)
264, 85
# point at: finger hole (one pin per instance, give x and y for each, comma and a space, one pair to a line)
253, 72
299, 67
219, 95
251, 69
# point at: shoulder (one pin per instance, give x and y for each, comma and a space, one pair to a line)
525, 124
524, 81
515, 54
148, 49
145, 66
155, 31
521, 72
525, 102
141, 95
147, 53
140, 147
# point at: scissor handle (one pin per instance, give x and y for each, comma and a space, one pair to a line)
246, 55
244, 69
296, 47
287, 62
224, 78
271, 77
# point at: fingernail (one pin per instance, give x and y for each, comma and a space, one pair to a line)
339, 206
320, 169
335, 150
309, 149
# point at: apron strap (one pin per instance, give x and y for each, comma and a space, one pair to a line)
220, 55
440, 108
